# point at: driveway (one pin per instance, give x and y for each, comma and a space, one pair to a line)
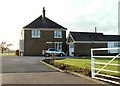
29, 70
24, 64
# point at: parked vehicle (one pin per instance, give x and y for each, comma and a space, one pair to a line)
51, 51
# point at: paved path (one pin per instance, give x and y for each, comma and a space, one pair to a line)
28, 70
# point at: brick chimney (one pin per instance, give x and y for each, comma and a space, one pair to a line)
95, 30
43, 15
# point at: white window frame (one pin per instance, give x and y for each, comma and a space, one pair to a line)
112, 45
58, 45
35, 33
115, 44
57, 34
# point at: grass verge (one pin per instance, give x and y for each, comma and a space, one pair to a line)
83, 65
7, 54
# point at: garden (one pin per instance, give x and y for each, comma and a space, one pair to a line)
82, 65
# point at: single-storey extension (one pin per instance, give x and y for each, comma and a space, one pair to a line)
80, 43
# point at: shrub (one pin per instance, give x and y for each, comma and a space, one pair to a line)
17, 52
66, 67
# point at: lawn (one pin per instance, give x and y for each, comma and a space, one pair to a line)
7, 54
77, 62
86, 63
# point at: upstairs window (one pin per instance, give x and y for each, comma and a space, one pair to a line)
57, 34
35, 33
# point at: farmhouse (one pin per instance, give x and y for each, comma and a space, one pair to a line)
41, 34
80, 43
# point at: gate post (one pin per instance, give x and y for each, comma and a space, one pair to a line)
92, 64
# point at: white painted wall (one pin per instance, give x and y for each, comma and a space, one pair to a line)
21, 45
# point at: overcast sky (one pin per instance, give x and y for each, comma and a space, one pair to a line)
76, 15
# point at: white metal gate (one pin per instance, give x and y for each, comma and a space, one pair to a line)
96, 72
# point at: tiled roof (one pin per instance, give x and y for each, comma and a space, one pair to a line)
43, 22
112, 37
87, 36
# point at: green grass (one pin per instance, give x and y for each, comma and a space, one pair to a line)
7, 54
86, 63
109, 67
77, 62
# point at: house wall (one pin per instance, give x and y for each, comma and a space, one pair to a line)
22, 34
35, 46
84, 49
21, 45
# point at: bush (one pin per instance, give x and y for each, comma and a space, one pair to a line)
66, 67
17, 52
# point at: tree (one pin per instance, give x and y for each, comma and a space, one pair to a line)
4, 47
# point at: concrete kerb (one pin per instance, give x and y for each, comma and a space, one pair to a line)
80, 75
51, 66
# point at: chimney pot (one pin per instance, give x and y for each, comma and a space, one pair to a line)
95, 30
43, 12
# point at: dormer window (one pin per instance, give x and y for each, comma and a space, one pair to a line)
35, 33
57, 34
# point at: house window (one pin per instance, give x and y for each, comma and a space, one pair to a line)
118, 44
58, 45
115, 44
57, 34
35, 33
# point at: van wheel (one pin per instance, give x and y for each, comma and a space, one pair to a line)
47, 54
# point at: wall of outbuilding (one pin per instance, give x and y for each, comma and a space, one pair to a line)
84, 49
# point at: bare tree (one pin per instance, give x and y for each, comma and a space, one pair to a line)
4, 47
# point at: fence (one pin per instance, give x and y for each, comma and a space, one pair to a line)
97, 73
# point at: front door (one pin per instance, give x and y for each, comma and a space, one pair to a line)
71, 49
